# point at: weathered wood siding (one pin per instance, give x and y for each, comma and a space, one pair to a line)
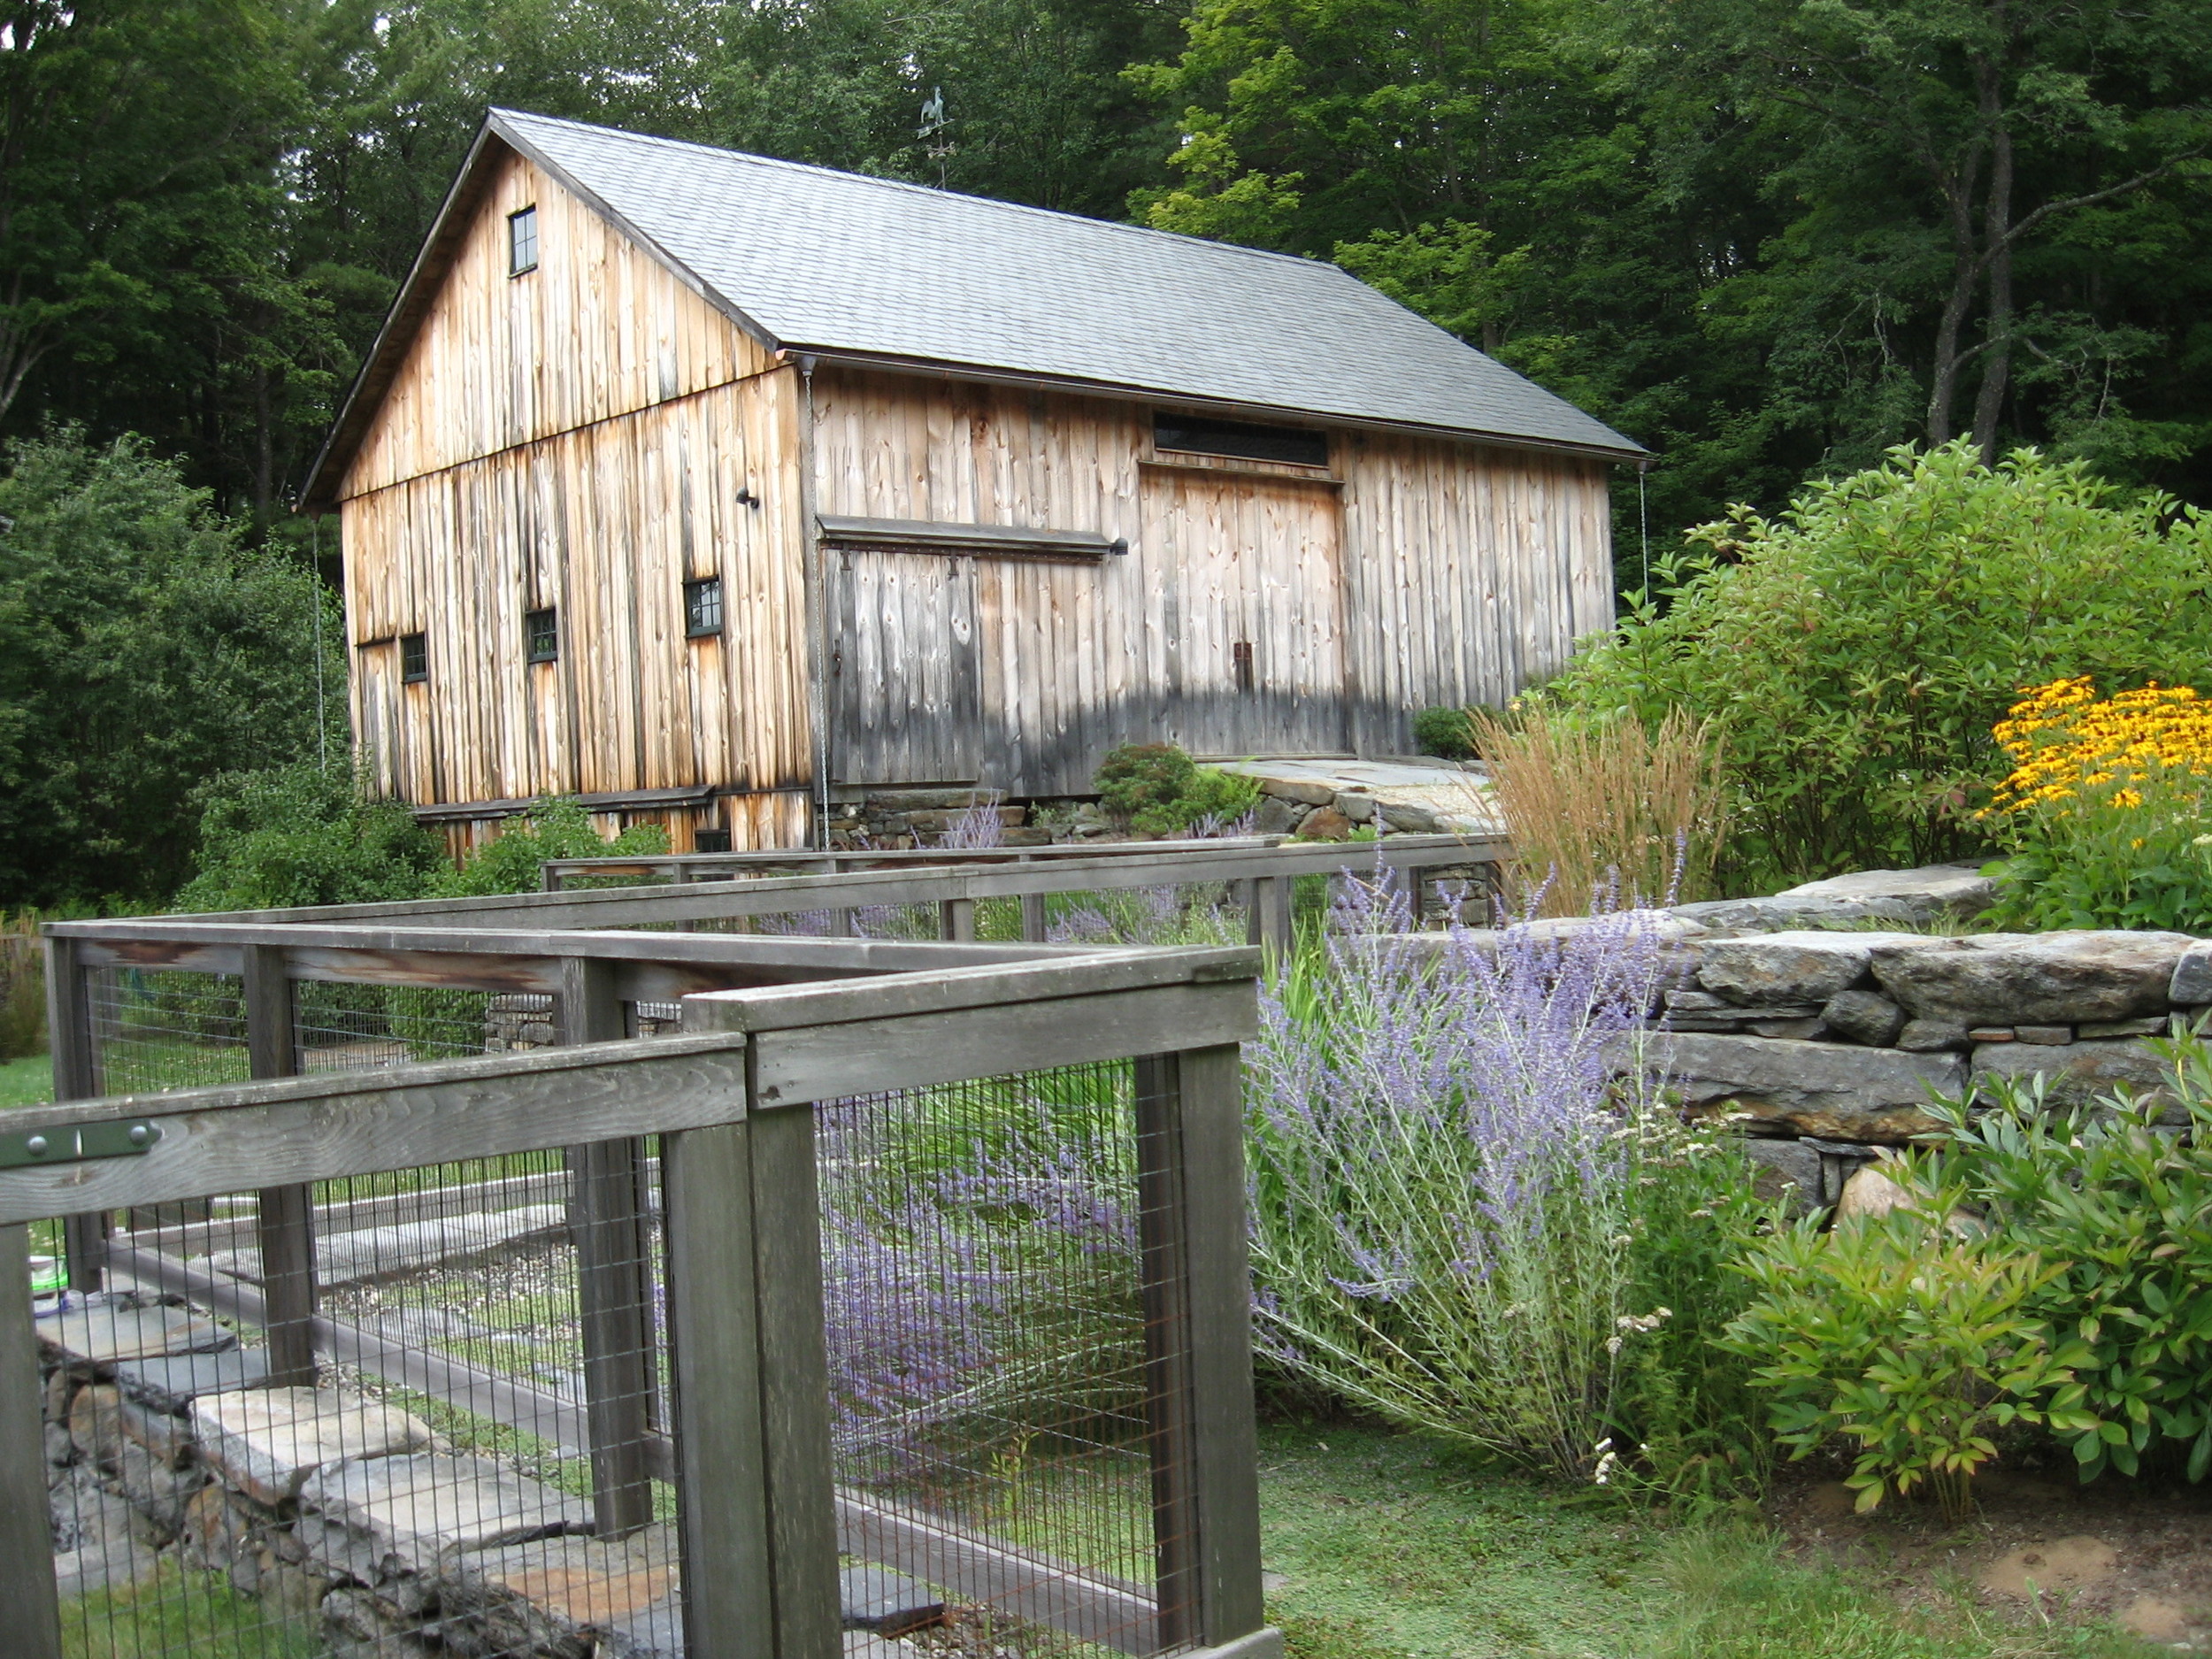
1410, 572
577, 438
1471, 572
599, 329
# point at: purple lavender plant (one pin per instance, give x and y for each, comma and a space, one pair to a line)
977, 827
1444, 1158
980, 1257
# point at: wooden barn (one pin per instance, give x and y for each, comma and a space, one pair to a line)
715, 489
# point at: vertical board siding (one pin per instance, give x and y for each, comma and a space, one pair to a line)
1470, 572
605, 524
578, 438
599, 329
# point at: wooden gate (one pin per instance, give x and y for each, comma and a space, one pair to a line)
1253, 613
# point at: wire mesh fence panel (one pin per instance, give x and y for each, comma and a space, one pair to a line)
155, 1029
472, 1473
991, 1371
346, 1028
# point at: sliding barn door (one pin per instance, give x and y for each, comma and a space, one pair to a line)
1252, 613
904, 679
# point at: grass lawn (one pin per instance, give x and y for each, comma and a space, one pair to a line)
1392, 1546
26, 1082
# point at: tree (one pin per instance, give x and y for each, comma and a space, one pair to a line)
142, 650
2011, 116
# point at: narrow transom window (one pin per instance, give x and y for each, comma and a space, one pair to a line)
542, 633
414, 658
703, 607
522, 241
1197, 435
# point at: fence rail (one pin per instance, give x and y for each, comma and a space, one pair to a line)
1263, 876
838, 1118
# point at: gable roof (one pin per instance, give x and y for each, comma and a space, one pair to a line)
852, 267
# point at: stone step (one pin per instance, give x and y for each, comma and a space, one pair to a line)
100, 1332
345, 1258
267, 1442
413, 1512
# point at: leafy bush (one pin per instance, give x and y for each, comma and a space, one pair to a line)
298, 836
142, 650
1600, 805
1446, 733
1454, 1223
552, 828
2104, 809
1912, 1340
1159, 790
2120, 1209
1857, 650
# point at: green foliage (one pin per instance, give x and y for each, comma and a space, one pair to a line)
1859, 648
553, 828
142, 650
1159, 790
2119, 1208
1444, 732
1913, 1341
298, 836
2108, 867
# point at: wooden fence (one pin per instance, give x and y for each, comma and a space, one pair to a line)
708, 1142
702, 889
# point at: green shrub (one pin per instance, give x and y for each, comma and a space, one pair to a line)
1916, 1341
1446, 732
1159, 790
1858, 648
298, 836
552, 828
144, 649
2121, 1210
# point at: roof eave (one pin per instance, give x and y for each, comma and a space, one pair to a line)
1626, 452
327, 474
319, 493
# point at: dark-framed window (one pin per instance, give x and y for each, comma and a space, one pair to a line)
711, 841
703, 607
542, 634
1198, 434
414, 659
522, 240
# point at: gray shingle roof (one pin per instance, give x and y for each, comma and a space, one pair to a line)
842, 263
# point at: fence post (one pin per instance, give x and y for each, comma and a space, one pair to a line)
1197, 1316
955, 920
1267, 921
1033, 924
30, 1610
606, 1216
284, 1217
754, 1471
76, 1077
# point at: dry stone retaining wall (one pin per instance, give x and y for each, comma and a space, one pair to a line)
1827, 1037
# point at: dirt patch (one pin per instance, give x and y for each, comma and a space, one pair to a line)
2137, 1552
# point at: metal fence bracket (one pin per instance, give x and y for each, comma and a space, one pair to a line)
122, 1137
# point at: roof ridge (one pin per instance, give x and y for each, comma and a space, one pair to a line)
1303, 261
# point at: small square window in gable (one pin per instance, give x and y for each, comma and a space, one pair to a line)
542, 635
703, 607
522, 240
414, 659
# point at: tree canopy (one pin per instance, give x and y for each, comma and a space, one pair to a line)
1767, 238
